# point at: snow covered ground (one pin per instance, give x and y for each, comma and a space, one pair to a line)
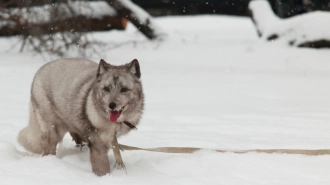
210, 84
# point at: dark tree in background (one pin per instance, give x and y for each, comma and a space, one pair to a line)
288, 8
192, 7
284, 8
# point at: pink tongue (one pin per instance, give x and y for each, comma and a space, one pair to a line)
114, 116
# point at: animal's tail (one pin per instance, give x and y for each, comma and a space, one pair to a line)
30, 140
30, 137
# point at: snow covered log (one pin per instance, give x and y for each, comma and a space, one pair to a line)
73, 17
138, 17
305, 30
68, 24
23, 3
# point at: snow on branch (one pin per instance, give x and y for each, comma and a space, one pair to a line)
138, 17
305, 30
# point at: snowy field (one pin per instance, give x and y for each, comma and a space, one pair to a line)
210, 84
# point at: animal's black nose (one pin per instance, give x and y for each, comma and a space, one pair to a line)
112, 105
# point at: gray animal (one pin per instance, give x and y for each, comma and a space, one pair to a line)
95, 103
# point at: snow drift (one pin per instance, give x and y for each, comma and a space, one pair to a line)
307, 30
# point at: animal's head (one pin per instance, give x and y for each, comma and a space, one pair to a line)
118, 91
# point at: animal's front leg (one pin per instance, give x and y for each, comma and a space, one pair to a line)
99, 159
116, 151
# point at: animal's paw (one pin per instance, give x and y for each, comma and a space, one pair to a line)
101, 172
120, 166
82, 146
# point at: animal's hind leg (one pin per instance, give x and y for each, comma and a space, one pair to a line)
78, 140
50, 139
48, 145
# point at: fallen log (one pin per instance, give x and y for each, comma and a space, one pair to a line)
97, 16
20, 3
73, 24
305, 30
138, 17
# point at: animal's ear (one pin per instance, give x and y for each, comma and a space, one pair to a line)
134, 68
102, 67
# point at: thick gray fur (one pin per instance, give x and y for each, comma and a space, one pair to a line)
68, 95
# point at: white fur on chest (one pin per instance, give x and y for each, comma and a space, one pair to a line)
105, 129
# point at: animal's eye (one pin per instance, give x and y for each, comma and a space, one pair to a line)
124, 89
107, 89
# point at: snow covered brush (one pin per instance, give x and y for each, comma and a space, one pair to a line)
305, 30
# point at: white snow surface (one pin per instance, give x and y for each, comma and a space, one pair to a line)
312, 26
210, 84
